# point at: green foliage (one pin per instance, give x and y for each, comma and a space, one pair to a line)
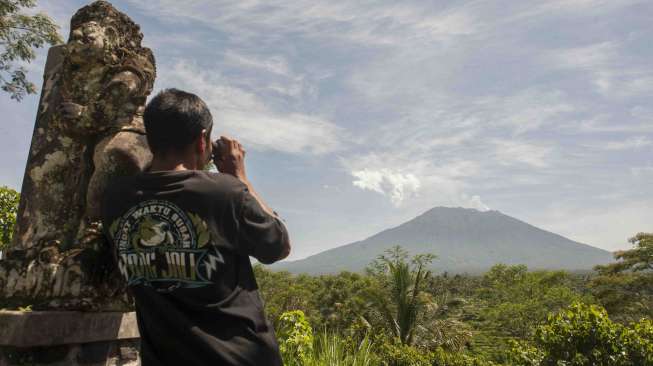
8, 208
401, 305
443, 358
340, 301
399, 354
284, 292
399, 295
299, 347
20, 34
638, 259
296, 337
625, 288
638, 341
509, 316
583, 335
331, 349
523, 353
510, 302
516, 300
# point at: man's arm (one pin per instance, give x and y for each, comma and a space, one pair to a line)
269, 211
261, 235
231, 160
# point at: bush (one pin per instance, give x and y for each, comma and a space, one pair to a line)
8, 208
296, 338
299, 347
442, 358
398, 354
583, 335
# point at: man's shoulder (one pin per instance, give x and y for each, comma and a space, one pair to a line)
225, 183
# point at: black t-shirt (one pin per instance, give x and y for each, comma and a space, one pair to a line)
182, 241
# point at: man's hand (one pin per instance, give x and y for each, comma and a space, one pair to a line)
231, 158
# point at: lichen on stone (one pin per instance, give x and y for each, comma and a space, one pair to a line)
52, 162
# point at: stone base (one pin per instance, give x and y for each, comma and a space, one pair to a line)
110, 353
68, 338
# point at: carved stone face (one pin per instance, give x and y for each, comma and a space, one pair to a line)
87, 42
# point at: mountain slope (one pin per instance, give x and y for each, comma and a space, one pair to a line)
465, 240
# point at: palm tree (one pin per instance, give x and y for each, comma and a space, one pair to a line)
404, 308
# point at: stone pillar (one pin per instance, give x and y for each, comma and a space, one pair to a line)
88, 130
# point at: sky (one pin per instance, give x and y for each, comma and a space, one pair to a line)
360, 115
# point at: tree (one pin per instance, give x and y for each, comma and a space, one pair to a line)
583, 335
625, 288
8, 208
283, 292
638, 259
404, 308
20, 34
516, 300
340, 302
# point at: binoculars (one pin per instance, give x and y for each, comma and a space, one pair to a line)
217, 146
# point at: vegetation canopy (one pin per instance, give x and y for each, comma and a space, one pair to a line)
20, 34
399, 313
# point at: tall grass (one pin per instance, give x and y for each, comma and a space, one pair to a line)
329, 349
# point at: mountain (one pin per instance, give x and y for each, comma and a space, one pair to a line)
464, 240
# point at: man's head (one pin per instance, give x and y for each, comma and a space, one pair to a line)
179, 123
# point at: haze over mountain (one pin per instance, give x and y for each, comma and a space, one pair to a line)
464, 240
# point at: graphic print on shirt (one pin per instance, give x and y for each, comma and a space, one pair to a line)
162, 246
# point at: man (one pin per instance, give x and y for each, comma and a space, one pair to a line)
183, 237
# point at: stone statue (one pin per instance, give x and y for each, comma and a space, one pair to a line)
89, 128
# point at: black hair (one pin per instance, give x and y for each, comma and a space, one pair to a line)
174, 119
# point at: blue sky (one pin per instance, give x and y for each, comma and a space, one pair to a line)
359, 115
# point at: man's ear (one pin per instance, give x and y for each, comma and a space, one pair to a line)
202, 144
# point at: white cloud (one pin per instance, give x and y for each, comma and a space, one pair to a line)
177, 42
638, 122
409, 177
510, 152
525, 111
592, 57
456, 139
579, 9
589, 7
612, 74
397, 186
636, 142
642, 171
389, 23
476, 203
271, 63
248, 117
